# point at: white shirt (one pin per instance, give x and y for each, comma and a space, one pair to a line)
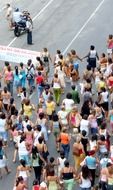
2, 125
93, 144
22, 148
92, 54
17, 16
86, 183
69, 103
105, 96
62, 115
104, 161
24, 123
29, 25
61, 164
36, 137
84, 125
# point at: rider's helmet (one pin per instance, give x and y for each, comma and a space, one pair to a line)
16, 9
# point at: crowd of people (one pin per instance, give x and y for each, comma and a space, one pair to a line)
75, 108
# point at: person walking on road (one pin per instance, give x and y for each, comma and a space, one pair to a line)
9, 11
92, 57
29, 25
8, 77
3, 160
65, 138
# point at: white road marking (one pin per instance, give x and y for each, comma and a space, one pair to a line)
44, 8
84, 25
79, 32
11, 42
34, 18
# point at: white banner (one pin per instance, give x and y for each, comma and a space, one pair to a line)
17, 55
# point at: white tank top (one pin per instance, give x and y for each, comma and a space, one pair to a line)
86, 183
22, 148
61, 162
36, 136
92, 54
57, 59
92, 145
23, 174
56, 85
103, 148
103, 133
2, 125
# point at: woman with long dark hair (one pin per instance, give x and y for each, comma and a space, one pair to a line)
37, 166
17, 82
20, 184
3, 161
23, 149
68, 175
22, 75
8, 77
86, 107
23, 170
85, 179
6, 96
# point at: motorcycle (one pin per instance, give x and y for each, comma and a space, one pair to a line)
20, 27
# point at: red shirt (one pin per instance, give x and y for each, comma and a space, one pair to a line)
39, 79
36, 187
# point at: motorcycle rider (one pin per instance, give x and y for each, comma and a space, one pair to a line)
18, 17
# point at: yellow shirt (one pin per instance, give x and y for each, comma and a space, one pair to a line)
50, 107
101, 84
28, 110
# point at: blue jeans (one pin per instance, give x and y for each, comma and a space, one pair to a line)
29, 37
10, 87
39, 90
94, 131
4, 135
66, 149
31, 82
85, 188
109, 187
103, 185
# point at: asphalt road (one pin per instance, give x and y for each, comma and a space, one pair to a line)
58, 24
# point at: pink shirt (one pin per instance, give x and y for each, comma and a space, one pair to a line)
9, 75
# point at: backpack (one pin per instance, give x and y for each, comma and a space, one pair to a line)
29, 74
45, 59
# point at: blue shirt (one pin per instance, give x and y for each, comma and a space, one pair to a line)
91, 162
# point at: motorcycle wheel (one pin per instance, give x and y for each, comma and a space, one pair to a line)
16, 33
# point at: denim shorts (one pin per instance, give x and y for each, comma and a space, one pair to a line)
26, 158
4, 135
